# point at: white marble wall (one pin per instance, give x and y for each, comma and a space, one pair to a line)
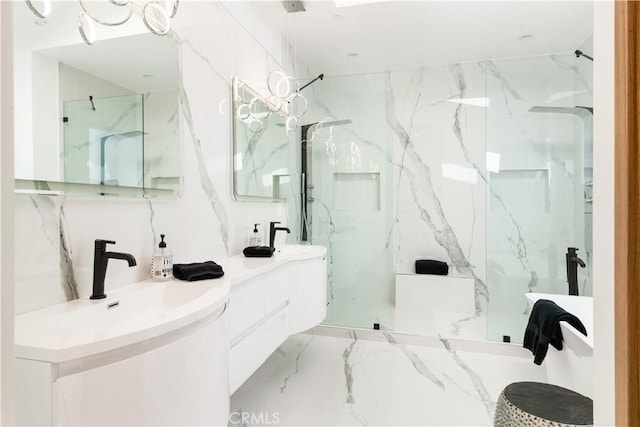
54, 235
439, 136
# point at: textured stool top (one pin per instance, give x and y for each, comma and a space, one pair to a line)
550, 402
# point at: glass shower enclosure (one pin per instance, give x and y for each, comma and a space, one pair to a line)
486, 166
540, 169
346, 200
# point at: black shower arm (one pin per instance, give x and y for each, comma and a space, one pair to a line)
321, 76
579, 53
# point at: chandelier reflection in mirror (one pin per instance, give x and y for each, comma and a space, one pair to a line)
156, 15
284, 99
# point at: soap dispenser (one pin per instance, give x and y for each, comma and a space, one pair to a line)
162, 262
255, 238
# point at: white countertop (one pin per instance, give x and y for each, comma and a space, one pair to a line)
145, 310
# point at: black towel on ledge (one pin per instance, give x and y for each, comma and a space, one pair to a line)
197, 271
544, 328
428, 266
258, 251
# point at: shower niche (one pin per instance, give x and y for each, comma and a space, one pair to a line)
356, 191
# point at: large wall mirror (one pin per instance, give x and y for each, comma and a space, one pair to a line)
261, 142
94, 120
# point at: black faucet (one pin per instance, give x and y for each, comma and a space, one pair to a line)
100, 259
572, 269
272, 232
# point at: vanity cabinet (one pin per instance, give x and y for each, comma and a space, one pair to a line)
258, 322
179, 378
287, 297
308, 292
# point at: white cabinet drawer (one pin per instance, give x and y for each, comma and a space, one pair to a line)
248, 354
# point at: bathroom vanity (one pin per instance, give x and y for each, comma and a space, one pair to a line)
272, 298
164, 353
149, 353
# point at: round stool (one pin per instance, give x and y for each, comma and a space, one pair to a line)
529, 404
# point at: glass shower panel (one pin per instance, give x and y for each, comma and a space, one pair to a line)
348, 200
104, 141
539, 150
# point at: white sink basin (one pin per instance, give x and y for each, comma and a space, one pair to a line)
136, 305
128, 315
297, 252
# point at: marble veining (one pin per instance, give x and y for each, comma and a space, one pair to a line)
330, 252
47, 206
575, 69
66, 261
186, 42
491, 68
518, 244
348, 368
415, 361
128, 113
458, 75
297, 363
475, 379
428, 202
348, 373
205, 180
50, 207
152, 214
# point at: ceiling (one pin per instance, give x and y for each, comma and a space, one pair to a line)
140, 63
404, 34
128, 56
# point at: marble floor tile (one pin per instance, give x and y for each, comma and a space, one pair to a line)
319, 380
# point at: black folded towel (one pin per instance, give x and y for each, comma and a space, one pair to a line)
258, 251
544, 328
197, 271
427, 266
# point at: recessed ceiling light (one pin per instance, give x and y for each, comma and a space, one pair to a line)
352, 55
337, 17
526, 37
346, 3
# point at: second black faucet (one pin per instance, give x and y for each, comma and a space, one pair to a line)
272, 232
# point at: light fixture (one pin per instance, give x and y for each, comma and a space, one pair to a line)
284, 99
526, 37
42, 12
156, 15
